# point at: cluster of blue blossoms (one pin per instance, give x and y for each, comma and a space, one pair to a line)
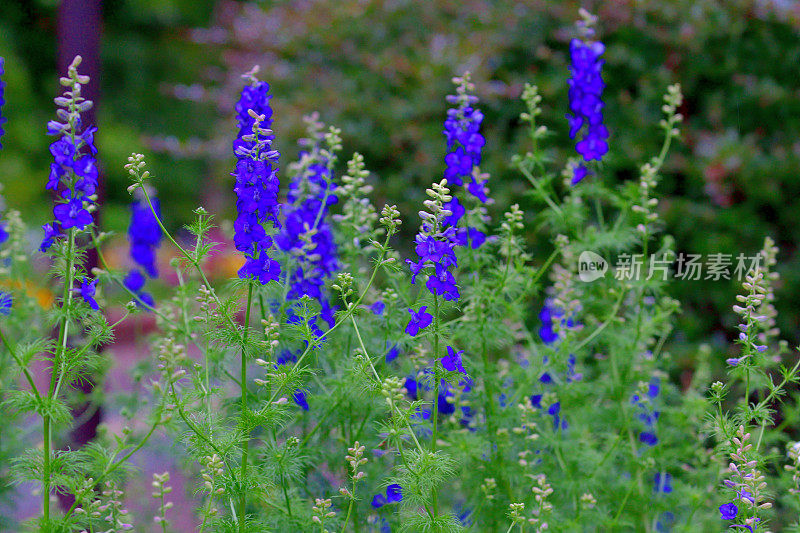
307, 235
144, 235
73, 173
437, 250
585, 101
464, 145
256, 183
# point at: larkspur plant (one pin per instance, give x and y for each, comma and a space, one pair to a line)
334, 386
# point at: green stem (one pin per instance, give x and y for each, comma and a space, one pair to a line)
196, 430
392, 404
602, 326
56, 372
435, 415
545, 266
542, 192
350, 510
163, 513
243, 413
286, 495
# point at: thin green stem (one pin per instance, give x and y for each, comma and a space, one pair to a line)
243, 413
602, 326
393, 405
435, 415
55, 371
286, 495
542, 192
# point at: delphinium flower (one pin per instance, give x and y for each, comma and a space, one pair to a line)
452, 392
464, 144
394, 494
464, 140
728, 511
257, 182
2, 98
5, 303
419, 320
452, 361
392, 353
585, 95
377, 308
306, 234
554, 325
87, 292
144, 235
451, 396
435, 245
548, 402
665, 522
3, 231
73, 173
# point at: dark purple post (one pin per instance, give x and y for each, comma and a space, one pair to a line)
79, 27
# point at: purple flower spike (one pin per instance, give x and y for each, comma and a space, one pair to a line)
311, 193
256, 185
73, 173
586, 103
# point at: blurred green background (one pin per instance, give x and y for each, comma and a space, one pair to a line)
380, 69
